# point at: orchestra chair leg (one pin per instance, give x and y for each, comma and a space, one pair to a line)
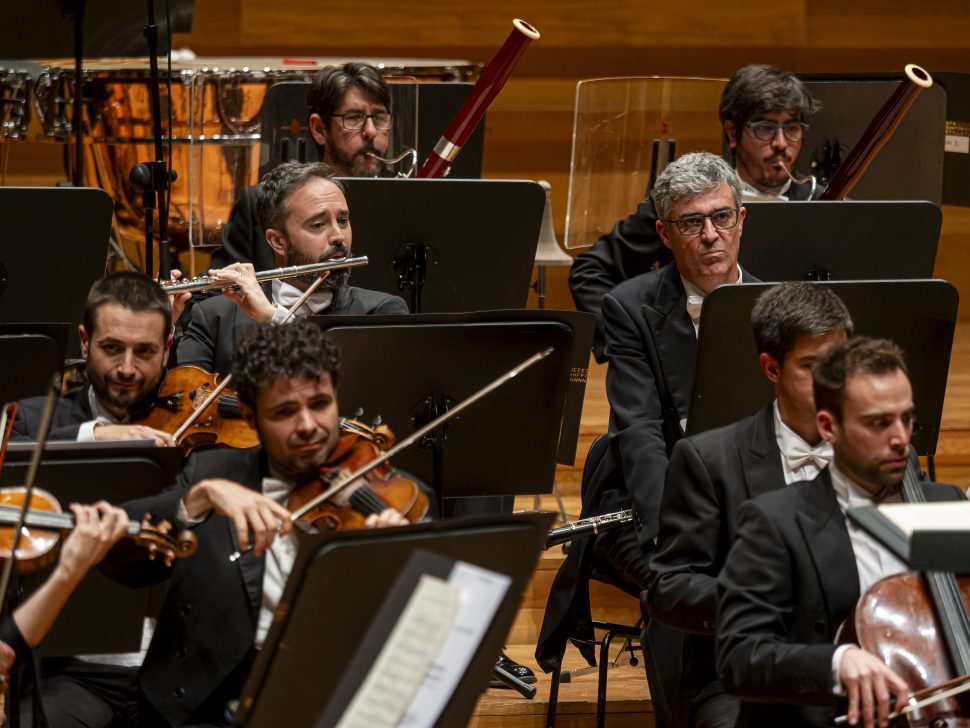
553, 695
612, 632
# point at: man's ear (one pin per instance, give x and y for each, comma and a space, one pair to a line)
828, 426
662, 232
276, 241
770, 367
85, 342
318, 130
731, 131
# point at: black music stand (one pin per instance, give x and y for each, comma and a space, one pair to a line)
421, 111
112, 614
46, 271
956, 155
840, 240
920, 316
327, 609
532, 421
447, 245
30, 354
909, 167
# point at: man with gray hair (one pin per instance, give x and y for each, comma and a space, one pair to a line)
304, 213
711, 474
764, 113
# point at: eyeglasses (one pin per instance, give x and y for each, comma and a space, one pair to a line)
694, 224
355, 120
766, 130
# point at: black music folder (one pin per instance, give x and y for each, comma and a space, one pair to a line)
920, 316
344, 598
30, 354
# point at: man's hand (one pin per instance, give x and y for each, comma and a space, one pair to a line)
387, 517
250, 512
133, 432
96, 529
178, 300
249, 296
868, 681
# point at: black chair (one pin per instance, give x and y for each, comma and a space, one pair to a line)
568, 615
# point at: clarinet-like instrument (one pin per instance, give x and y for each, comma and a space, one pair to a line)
491, 81
588, 527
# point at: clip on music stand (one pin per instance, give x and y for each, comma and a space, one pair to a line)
30, 354
920, 316
450, 357
72, 472
836, 240
447, 245
67, 262
421, 110
327, 607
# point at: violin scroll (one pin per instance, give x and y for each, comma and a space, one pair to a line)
157, 539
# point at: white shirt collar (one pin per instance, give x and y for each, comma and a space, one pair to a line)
752, 193
695, 298
286, 295
100, 412
791, 445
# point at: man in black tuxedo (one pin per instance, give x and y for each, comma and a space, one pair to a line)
711, 474
798, 566
217, 613
764, 112
304, 213
350, 118
125, 339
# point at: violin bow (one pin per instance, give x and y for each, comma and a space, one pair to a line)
197, 413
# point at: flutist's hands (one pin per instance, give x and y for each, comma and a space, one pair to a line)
247, 294
177, 300
255, 518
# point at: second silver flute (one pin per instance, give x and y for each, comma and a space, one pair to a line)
205, 283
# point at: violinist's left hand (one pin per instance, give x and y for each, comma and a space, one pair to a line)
387, 517
177, 300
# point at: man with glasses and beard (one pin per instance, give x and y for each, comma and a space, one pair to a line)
304, 213
350, 120
764, 113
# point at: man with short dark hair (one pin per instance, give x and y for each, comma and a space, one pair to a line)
711, 474
764, 112
125, 339
307, 220
798, 566
349, 119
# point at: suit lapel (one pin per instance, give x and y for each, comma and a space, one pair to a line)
827, 541
251, 567
674, 338
761, 460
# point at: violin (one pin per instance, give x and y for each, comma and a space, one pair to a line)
919, 625
381, 488
46, 520
184, 391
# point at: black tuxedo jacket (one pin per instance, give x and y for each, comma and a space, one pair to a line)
208, 620
709, 476
243, 237
70, 413
217, 323
788, 583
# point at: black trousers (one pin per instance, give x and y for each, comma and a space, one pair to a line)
77, 694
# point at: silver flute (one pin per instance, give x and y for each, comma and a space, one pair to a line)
205, 283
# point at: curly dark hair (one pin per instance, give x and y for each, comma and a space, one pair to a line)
267, 353
331, 83
279, 183
789, 310
135, 291
860, 355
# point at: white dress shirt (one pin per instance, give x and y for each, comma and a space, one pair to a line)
85, 432
799, 460
750, 193
285, 295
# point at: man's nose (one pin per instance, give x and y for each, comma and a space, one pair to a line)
900, 435
126, 363
778, 141
369, 130
709, 232
305, 422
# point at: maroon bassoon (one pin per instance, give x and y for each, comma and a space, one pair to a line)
879, 131
491, 81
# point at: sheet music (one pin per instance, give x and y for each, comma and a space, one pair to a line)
411, 649
482, 592
940, 516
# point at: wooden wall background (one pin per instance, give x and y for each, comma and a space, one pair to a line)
529, 127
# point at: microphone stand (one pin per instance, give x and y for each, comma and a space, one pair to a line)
154, 178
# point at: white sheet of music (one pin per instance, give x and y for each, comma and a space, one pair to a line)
939, 516
482, 592
404, 662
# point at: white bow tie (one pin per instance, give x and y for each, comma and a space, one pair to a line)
799, 455
694, 304
287, 295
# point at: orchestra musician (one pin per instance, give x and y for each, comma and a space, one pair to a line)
217, 613
764, 112
711, 474
350, 118
125, 341
798, 566
304, 213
